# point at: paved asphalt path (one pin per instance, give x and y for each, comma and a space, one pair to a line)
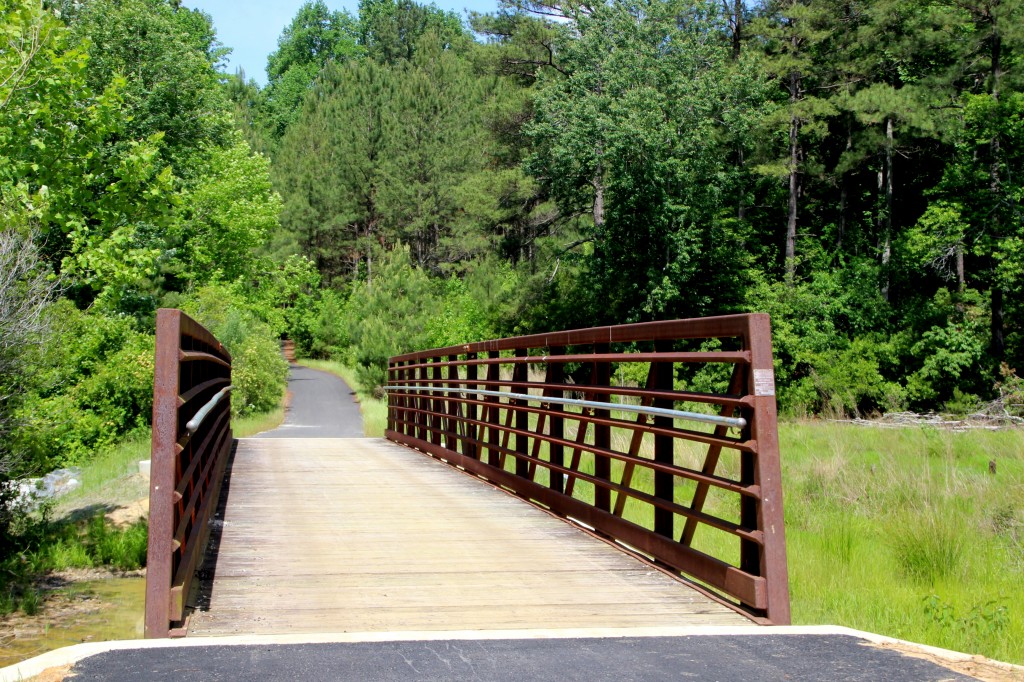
322, 406
824, 658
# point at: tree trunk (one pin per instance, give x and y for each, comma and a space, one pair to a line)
961, 275
741, 209
844, 191
737, 27
998, 342
887, 215
598, 208
369, 269
998, 345
794, 190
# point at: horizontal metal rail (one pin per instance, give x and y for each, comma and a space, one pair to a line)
193, 424
740, 357
731, 422
499, 410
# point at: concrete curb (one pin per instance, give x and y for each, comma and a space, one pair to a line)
72, 654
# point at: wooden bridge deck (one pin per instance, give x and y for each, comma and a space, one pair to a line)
363, 535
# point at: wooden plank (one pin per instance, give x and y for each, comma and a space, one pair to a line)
331, 535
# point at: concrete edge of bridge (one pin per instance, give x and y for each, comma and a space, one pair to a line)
68, 656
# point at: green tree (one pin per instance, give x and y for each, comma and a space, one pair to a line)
390, 30
229, 215
166, 56
793, 32
315, 37
390, 315
629, 136
386, 153
327, 169
102, 201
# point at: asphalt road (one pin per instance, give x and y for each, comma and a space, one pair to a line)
824, 658
322, 406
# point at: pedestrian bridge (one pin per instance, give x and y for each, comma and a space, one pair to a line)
563, 506
560, 481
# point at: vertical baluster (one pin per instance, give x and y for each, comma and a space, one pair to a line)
493, 416
453, 407
602, 434
556, 451
390, 381
422, 403
401, 402
472, 432
664, 445
408, 379
520, 375
437, 400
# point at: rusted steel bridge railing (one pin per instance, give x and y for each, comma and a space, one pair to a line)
191, 443
689, 480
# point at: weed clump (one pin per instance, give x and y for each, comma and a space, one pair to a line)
929, 549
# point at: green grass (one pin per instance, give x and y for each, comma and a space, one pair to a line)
243, 427
375, 410
86, 540
112, 478
906, 533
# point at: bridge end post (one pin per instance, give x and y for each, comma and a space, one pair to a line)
765, 430
161, 484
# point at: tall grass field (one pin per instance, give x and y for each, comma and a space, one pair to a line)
916, 533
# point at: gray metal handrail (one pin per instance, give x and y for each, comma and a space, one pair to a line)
193, 424
733, 422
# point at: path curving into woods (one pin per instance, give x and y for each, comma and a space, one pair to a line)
321, 406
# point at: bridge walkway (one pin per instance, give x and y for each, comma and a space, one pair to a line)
364, 535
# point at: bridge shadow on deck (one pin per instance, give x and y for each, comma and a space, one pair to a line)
206, 572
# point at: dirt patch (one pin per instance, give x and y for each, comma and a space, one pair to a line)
288, 350
56, 674
978, 667
70, 576
129, 514
56, 612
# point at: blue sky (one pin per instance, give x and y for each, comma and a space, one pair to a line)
251, 28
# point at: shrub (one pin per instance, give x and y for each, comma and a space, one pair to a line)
259, 372
459, 317
329, 335
259, 375
824, 357
94, 387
